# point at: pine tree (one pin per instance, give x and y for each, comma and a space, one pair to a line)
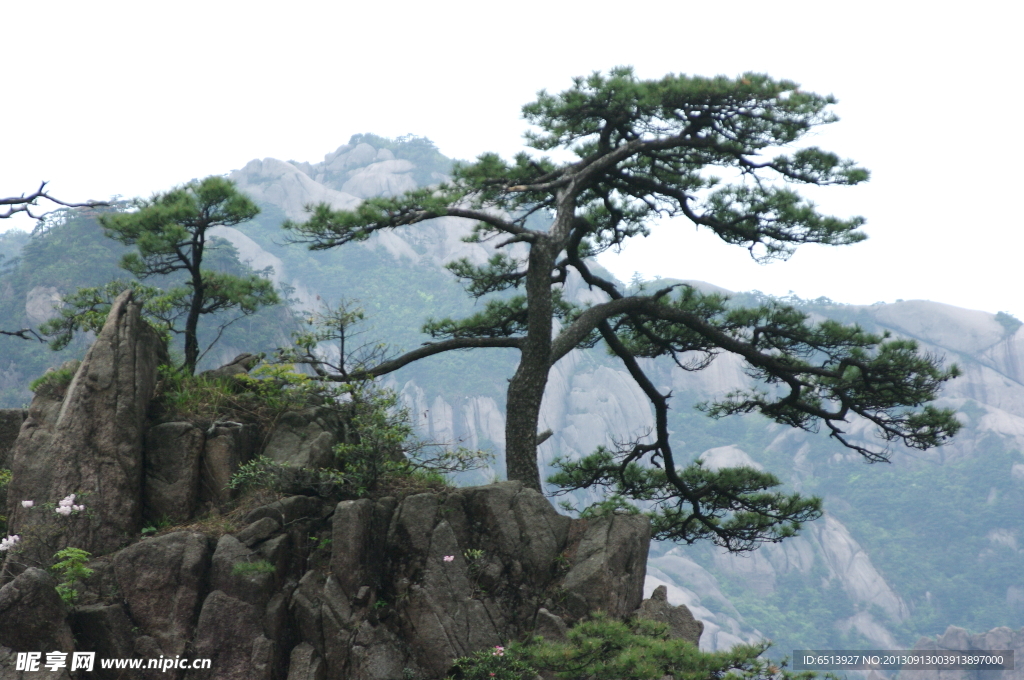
170, 232
646, 149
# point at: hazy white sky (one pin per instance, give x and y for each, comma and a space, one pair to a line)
128, 98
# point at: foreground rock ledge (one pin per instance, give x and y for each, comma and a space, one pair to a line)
373, 597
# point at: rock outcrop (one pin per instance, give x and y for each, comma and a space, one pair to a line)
958, 639
404, 587
93, 445
302, 587
681, 623
40, 302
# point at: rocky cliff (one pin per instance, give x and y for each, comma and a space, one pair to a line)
302, 587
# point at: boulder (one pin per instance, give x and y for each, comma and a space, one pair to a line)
106, 630
467, 570
550, 626
162, 580
32, 615
254, 587
35, 434
681, 623
230, 634
378, 654
289, 510
324, 618
228, 446
174, 453
94, 449
305, 664
306, 438
609, 568
258, 531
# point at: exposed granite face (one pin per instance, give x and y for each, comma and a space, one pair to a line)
162, 581
94, 445
402, 587
11, 420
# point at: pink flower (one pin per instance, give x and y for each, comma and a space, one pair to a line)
27, 504
498, 651
449, 558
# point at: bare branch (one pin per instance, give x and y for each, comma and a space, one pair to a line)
24, 204
24, 334
428, 349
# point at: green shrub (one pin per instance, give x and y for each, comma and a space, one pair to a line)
57, 380
71, 569
260, 397
378, 457
603, 648
492, 664
156, 526
381, 449
259, 473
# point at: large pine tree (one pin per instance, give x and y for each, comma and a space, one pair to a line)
646, 149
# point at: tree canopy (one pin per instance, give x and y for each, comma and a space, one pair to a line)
171, 233
646, 149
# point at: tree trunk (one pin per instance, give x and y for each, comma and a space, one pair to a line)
526, 388
191, 327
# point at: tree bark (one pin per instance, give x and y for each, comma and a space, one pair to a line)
526, 388
192, 324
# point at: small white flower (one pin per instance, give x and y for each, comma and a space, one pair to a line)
27, 504
449, 558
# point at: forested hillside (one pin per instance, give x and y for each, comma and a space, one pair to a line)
905, 549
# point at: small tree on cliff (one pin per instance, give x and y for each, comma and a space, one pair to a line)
170, 231
647, 149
